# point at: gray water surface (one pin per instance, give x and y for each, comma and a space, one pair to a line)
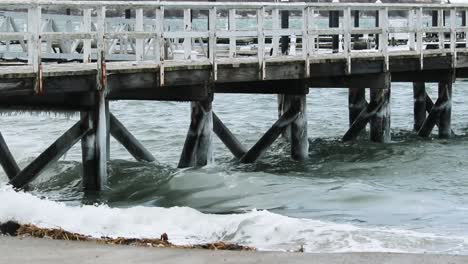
410, 184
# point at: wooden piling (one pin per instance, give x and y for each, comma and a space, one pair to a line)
356, 103
7, 161
197, 149
299, 138
270, 136
50, 155
380, 122
445, 94
94, 146
229, 140
131, 144
419, 107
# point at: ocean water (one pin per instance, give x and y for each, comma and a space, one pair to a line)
410, 195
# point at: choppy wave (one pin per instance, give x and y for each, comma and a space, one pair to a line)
261, 229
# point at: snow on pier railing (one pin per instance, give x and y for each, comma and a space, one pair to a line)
214, 32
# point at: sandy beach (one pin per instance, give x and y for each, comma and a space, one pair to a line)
30, 250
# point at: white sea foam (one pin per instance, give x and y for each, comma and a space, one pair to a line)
262, 229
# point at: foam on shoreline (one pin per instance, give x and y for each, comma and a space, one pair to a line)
261, 229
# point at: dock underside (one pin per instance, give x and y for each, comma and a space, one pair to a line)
79, 88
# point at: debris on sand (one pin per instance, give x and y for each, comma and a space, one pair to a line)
9, 228
14, 229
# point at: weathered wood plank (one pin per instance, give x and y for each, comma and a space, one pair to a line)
50, 155
361, 121
131, 144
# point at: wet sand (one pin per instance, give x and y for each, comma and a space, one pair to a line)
31, 250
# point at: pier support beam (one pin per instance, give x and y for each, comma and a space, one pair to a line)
7, 161
445, 121
380, 122
197, 149
419, 109
356, 103
94, 146
133, 146
298, 128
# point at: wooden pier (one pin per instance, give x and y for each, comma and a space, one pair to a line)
78, 55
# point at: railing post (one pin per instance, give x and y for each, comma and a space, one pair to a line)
453, 36
440, 25
305, 41
34, 45
187, 28
87, 29
383, 14
232, 28
160, 53
139, 27
212, 41
310, 28
419, 37
464, 13
412, 30
347, 38
261, 42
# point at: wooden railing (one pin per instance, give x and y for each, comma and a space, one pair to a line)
88, 33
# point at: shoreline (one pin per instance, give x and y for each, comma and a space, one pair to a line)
15, 229
35, 250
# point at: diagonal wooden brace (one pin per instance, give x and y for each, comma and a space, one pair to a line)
133, 146
271, 135
229, 140
431, 119
429, 106
7, 161
50, 155
361, 121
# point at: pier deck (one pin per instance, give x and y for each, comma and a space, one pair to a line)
79, 55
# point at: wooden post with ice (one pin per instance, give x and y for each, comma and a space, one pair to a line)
197, 149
